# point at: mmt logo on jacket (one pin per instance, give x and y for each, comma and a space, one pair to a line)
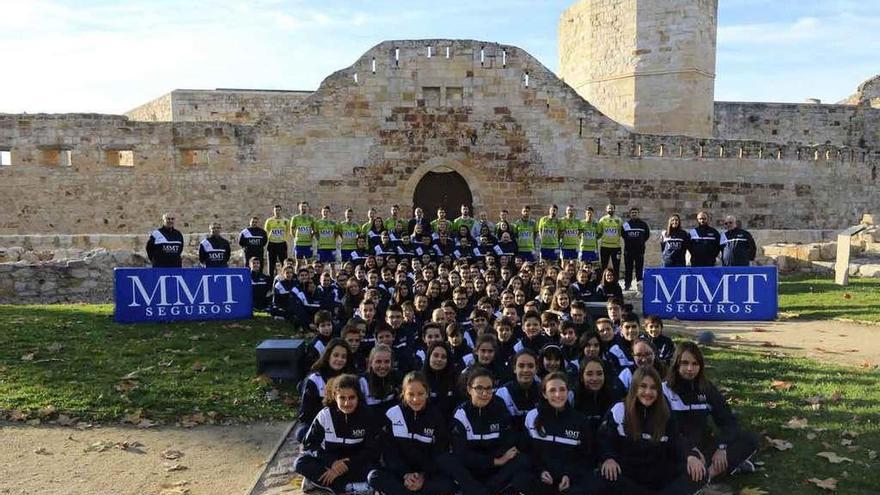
171, 294
711, 293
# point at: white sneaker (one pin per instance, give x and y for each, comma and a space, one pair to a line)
358, 489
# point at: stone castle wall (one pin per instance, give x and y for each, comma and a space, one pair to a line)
847, 125
649, 65
494, 114
237, 106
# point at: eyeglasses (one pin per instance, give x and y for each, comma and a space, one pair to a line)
483, 390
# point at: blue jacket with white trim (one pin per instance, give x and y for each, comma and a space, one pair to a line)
559, 441
413, 440
693, 407
480, 434
647, 460
335, 435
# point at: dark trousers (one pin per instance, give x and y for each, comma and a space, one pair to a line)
743, 446
680, 485
312, 468
579, 484
633, 260
277, 254
612, 254
391, 483
516, 473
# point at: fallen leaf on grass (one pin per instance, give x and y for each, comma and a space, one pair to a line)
171, 455
781, 385
42, 451
178, 488
752, 491
198, 366
29, 356
826, 484
192, 420
779, 444
126, 386
833, 458
146, 423
796, 424
134, 418
836, 396
847, 295
262, 380
872, 454
65, 420
135, 373
17, 415
845, 442
169, 467
811, 436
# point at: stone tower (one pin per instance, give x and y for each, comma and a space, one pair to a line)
648, 64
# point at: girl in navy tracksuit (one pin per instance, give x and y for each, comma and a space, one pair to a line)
379, 383
441, 374
674, 243
640, 448
559, 442
335, 360
484, 443
415, 447
596, 392
521, 394
340, 447
693, 400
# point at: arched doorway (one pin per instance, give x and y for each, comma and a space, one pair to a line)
442, 187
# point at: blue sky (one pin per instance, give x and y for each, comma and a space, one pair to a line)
110, 56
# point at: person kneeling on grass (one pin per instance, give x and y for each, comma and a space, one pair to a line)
693, 400
339, 449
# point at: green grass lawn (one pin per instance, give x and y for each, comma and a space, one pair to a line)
811, 298
74, 358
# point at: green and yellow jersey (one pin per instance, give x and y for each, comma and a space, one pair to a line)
589, 236
610, 229
349, 232
302, 228
548, 229
277, 229
326, 232
525, 234
570, 233
467, 222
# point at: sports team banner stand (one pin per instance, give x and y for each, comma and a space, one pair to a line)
144, 295
730, 293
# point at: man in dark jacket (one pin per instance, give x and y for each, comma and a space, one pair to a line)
253, 242
704, 246
214, 251
635, 235
165, 244
737, 245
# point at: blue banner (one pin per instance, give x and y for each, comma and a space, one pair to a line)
711, 293
174, 294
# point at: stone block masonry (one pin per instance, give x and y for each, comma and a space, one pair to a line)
514, 131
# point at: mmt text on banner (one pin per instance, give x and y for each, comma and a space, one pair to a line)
172, 294
712, 293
